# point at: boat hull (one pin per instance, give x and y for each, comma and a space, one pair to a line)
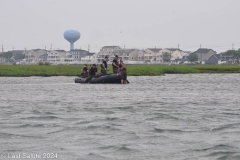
109, 78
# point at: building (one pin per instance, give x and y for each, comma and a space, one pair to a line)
17, 53
87, 58
131, 55
220, 59
204, 54
106, 51
169, 55
153, 55
2, 60
78, 54
35, 56
184, 57
56, 56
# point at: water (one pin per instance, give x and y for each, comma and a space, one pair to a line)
167, 117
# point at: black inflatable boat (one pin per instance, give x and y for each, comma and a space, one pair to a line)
109, 78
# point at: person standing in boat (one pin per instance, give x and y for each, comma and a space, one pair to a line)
115, 64
104, 66
84, 71
123, 72
92, 72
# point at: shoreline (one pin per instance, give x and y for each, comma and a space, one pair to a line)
132, 70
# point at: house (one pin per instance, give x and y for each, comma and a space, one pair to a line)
184, 57
35, 56
152, 54
56, 56
219, 59
204, 54
87, 58
131, 55
68, 57
170, 54
141, 55
125, 55
77, 54
2, 60
106, 51
17, 54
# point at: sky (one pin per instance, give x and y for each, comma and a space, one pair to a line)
31, 24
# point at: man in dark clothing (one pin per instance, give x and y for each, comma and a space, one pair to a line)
92, 72
104, 66
123, 72
84, 71
115, 64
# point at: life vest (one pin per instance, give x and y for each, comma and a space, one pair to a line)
105, 63
116, 62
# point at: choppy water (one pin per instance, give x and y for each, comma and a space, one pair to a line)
166, 117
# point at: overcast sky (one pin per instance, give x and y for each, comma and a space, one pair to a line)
134, 23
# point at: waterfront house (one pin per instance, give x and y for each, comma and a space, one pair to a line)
78, 54
35, 56
105, 51
153, 55
204, 54
170, 55
87, 58
184, 57
220, 59
56, 56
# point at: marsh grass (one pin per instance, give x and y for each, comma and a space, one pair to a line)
132, 70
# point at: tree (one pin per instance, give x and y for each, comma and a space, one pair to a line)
233, 53
193, 57
6, 55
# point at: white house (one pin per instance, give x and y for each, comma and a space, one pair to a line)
153, 55
35, 56
106, 51
56, 56
171, 54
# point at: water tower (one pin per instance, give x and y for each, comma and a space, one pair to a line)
71, 36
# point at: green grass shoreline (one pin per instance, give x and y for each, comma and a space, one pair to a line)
133, 70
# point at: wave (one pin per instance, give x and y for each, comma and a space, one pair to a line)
112, 118
172, 130
102, 127
124, 149
45, 117
121, 148
10, 135
219, 146
30, 125
227, 126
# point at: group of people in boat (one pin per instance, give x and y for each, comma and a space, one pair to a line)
119, 68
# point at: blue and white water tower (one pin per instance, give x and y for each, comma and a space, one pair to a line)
71, 36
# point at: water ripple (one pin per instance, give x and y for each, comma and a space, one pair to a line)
181, 117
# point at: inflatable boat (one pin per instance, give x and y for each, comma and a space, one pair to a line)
109, 78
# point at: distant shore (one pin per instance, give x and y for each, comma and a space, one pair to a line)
132, 70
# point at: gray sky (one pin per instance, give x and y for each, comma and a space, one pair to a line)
136, 23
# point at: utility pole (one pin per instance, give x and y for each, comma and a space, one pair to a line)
178, 46
2, 48
124, 46
25, 51
88, 48
51, 47
233, 46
